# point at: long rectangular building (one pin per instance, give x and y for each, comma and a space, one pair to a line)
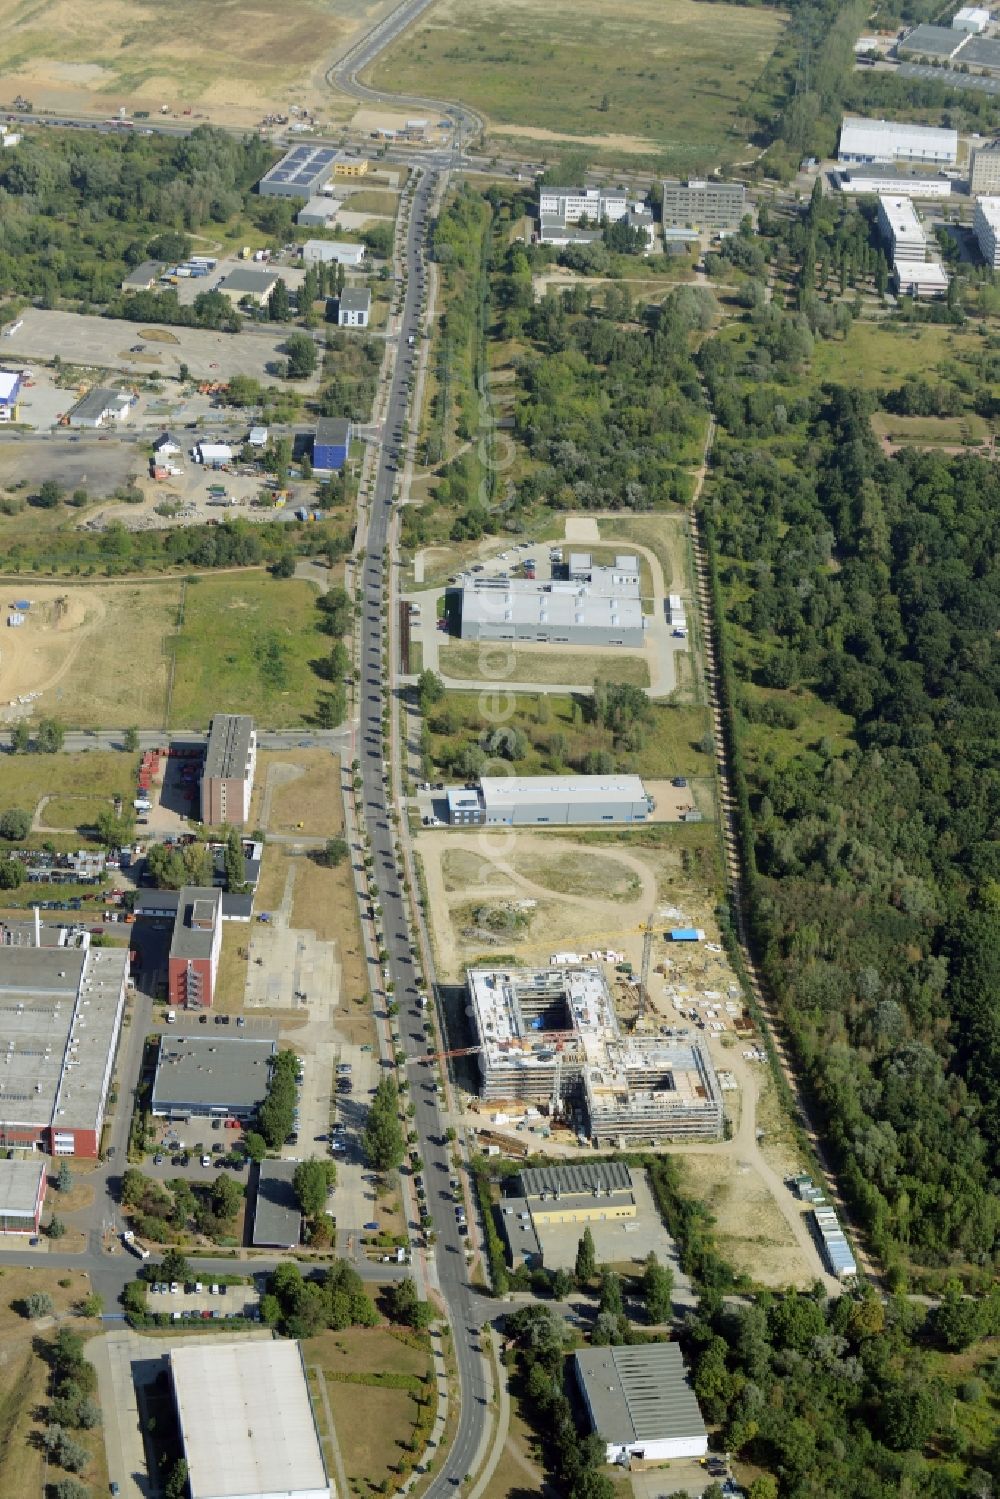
889, 180
61, 1011
569, 205
870, 141
549, 801
901, 229
602, 607
553, 1033
704, 203
986, 224
228, 772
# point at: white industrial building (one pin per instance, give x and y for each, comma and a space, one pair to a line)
986, 224
571, 204
879, 180
913, 274
318, 212
325, 251
551, 1036
549, 801
246, 1421
971, 19
100, 406
920, 278
601, 606
640, 1402
901, 229
868, 141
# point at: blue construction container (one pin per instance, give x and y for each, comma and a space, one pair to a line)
686, 934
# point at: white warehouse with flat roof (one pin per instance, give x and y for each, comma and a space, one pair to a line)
868, 141
246, 1421
549, 801
594, 606
986, 224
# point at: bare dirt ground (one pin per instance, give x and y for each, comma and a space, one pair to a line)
42, 662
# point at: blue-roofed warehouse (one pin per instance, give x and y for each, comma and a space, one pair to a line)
331, 444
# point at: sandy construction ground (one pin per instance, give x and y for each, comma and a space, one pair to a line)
230, 62
91, 656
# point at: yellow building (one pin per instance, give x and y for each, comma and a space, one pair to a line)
350, 166
592, 1193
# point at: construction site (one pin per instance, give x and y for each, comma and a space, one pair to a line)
551, 1036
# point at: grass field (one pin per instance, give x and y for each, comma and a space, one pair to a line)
244, 647
95, 774
558, 732
24, 1380
642, 78
878, 354
118, 51
73, 812
372, 1422
468, 661
930, 430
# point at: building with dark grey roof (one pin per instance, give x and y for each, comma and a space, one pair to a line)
211, 1076
228, 772
640, 1402
302, 172
939, 42
277, 1217
195, 945
332, 444
245, 284
354, 307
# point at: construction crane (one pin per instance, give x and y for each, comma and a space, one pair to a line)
556, 1038
647, 953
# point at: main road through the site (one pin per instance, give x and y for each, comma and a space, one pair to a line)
452, 1276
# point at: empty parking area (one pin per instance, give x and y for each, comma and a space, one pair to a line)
112, 343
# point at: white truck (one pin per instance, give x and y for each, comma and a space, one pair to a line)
129, 1240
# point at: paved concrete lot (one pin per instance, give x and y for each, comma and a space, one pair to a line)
98, 467
618, 1242
232, 1301
189, 287
682, 1476
125, 1361
107, 343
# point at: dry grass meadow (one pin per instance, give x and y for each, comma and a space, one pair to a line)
227, 61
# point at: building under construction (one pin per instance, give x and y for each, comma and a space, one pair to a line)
552, 1036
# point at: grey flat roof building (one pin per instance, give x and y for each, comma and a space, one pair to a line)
231, 739
211, 1075
277, 1217
199, 911
640, 1401
549, 801
332, 431
301, 173
96, 405
143, 276
607, 1176
982, 53
523, 1247
703, 202
931, 41
60, 1018
244, 281
355, 299
22, 1190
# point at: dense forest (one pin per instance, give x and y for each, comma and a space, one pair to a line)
77, 209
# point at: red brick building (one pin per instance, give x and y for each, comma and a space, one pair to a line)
193, 963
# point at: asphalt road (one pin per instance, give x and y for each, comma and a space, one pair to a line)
464, 1308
